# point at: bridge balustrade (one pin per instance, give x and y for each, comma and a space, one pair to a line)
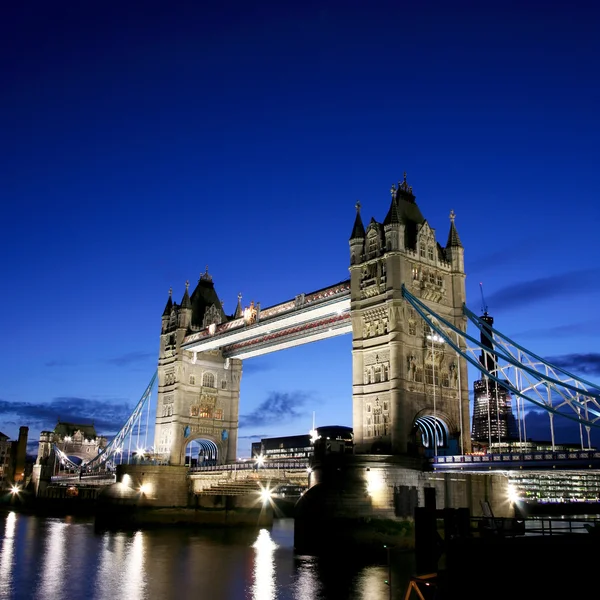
530, 456
249, 466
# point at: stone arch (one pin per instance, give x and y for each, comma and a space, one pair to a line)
202, 450
429, 433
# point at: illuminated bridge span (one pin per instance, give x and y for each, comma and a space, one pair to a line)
307, 318
413, 339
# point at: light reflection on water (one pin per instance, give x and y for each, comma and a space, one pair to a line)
6, 557
50, 559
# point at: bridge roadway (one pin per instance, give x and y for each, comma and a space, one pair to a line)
307, 318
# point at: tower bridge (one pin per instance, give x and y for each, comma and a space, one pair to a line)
405, 307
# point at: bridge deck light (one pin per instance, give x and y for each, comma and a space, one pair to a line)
265, 495
260, 460
15, 489
145, 488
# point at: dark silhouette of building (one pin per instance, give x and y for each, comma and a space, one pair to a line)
493, 418
13, 455
331, 438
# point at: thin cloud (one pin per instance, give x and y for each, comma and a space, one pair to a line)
277, 408
490, 262
252, 437
586, 364
59, 363
256, 367
126, 360
107, 417
587, 328
528, 292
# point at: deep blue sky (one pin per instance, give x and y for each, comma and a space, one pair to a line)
142, 141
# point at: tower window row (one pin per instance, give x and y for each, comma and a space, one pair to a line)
427, 276
208, 380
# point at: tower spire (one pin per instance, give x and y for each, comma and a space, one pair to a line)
185, 301
169, 305
358, 231
238, 310
453, 238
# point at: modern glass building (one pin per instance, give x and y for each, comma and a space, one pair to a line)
493, 418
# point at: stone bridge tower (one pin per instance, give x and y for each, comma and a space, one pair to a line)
409, 389
198, 393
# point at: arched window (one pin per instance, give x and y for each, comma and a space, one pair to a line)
192, 380
208, 380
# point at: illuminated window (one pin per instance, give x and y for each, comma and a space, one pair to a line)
208, 380
205, 412
415, 273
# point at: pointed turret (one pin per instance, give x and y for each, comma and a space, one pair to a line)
358, 231
185, 301
357, 239
185, 309
455, 253
453, 239
393, 225
238, 310
393, 216
169, 305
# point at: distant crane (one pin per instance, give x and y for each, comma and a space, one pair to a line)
484, 307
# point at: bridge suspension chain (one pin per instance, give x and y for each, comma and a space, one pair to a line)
525, 374
116, 445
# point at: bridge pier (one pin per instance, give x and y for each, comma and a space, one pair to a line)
370, 500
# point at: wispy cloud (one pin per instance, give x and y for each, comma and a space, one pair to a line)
277, 408
530, 291
586, 328
586, 364
252, 437
59, 362
256, 367
108, 417
126, 360
508, 255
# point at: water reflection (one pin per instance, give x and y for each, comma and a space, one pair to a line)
50, 559
307, 582
54, 563
264, 567
121, 567
7, 555
133, 569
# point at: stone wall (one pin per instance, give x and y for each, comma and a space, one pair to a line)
163, 486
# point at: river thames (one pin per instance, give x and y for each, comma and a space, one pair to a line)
65, 558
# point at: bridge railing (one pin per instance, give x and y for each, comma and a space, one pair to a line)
253, 466
516, 457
